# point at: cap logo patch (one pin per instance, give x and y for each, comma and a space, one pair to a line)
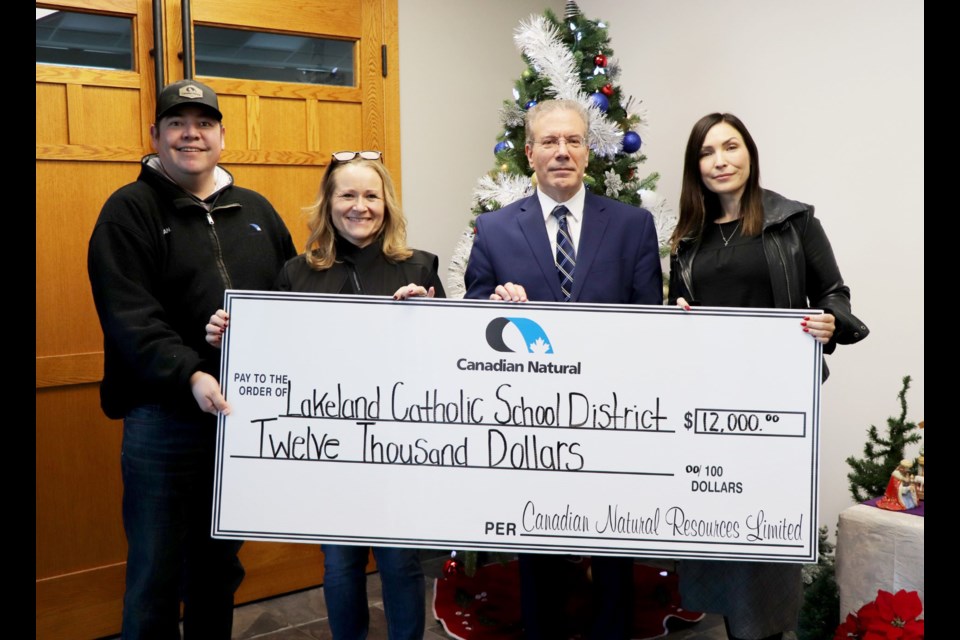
191, 91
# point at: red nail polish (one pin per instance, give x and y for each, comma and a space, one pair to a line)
806, 317
806, 330
687, 308
803, 324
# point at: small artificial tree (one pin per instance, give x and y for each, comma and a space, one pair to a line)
568, 58
820, 613
871, 474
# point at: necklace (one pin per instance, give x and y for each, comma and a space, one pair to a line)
726, 240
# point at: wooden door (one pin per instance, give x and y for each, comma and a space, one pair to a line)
92, 130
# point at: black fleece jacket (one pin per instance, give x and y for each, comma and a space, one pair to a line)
159, 261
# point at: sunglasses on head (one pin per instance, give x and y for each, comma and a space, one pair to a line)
347, 156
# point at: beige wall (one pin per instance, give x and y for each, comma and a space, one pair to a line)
832, 92
458, 64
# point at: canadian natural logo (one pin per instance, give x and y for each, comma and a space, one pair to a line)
513, 335
534, 337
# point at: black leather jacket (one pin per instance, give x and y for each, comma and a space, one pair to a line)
803, 270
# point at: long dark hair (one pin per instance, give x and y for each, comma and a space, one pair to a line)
698, 205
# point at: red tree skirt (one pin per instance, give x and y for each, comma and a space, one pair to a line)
487, 606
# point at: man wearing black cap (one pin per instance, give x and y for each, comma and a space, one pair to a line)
162, 253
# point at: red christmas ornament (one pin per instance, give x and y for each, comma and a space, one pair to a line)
607, 90
451, 567
600, 60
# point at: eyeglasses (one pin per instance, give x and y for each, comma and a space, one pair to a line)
551, 143
347, 156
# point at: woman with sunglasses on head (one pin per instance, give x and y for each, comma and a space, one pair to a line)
738, 245
357, 245
358, 237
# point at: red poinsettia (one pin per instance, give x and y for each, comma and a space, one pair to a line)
889, 617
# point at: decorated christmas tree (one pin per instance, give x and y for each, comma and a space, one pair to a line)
871, 474
568, 58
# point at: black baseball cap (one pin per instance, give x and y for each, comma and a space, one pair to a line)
184, 92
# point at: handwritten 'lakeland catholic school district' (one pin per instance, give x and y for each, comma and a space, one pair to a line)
565, 428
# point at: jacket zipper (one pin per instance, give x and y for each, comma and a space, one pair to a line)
221, 267
786, 273
356, 280
686, 274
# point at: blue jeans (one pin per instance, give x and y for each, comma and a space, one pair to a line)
345, 590
167, 463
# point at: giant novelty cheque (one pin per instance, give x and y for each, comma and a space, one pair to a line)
559, 428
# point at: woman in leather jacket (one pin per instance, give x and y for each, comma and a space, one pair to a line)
737, 245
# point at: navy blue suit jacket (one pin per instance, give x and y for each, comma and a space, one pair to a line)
618, 258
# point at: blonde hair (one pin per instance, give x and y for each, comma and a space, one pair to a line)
321, 249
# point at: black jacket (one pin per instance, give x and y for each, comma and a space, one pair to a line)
158, 266
361, 271
803, 270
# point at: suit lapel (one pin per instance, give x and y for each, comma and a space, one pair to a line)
595, 219
535, 231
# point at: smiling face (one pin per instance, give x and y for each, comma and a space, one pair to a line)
357, 207
724, 161
558, 163
188, 142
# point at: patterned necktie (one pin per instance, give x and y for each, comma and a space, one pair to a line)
566, 254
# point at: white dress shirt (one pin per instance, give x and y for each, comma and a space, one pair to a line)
574, 218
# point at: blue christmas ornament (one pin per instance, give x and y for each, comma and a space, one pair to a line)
503, 145
600, 100
530, 105
631, 142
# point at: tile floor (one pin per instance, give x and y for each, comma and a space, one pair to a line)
303, 615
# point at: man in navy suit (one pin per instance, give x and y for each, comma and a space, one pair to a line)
513, 256
608, 254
